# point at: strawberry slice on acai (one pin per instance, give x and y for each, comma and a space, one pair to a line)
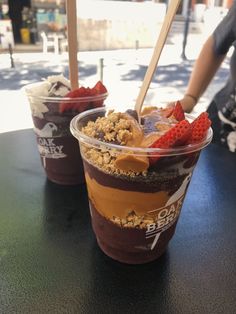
100, 88
199, 128
81, 105
178, 135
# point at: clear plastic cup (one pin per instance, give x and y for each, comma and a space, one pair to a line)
134, 215
58, 149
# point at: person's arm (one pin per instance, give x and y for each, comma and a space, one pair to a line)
204, 70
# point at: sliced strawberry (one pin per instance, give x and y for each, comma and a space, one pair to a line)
176, 136
100, 88
80, 92
178, 112
71, 105
199, 128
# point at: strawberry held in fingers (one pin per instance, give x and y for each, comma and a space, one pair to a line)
167, 112
178, 112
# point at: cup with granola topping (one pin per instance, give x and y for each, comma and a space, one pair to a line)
137, 175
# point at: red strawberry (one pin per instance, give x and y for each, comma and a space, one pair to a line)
178, 111
100, 88
199, 128
80, 106
79, 92
176, 136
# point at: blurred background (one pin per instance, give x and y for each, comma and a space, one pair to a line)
103, 20
115, 44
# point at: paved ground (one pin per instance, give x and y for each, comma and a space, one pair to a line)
123, 73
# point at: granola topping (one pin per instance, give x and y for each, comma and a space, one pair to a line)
133, 220
123, 129
106, 160
115, 128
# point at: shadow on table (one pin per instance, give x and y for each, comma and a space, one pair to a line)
87, 269
66, 207
130, 287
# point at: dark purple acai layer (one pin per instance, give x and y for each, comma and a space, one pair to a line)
66, 170
128, 245
161, 177
59, 150
131, 244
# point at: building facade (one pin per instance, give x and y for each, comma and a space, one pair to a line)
31, 17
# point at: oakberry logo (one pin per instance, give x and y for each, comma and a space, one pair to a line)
48, 149
166, 216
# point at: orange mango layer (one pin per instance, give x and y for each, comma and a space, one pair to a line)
115, 202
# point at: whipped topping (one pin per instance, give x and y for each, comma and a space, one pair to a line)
60, 86
53, 86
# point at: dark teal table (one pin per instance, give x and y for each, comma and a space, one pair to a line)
50, 262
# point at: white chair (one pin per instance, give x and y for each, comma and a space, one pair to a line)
50, 41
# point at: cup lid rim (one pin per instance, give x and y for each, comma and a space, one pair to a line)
189, 148
61, 98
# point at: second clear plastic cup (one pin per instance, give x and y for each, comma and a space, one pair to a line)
58, 149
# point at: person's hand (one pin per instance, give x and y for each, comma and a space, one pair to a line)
187, 102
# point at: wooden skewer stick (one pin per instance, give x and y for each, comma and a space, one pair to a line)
156, 53
72, 42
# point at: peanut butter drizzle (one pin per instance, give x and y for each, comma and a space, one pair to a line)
111, 202
148, 110
149, 139
132, 163
137, 133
